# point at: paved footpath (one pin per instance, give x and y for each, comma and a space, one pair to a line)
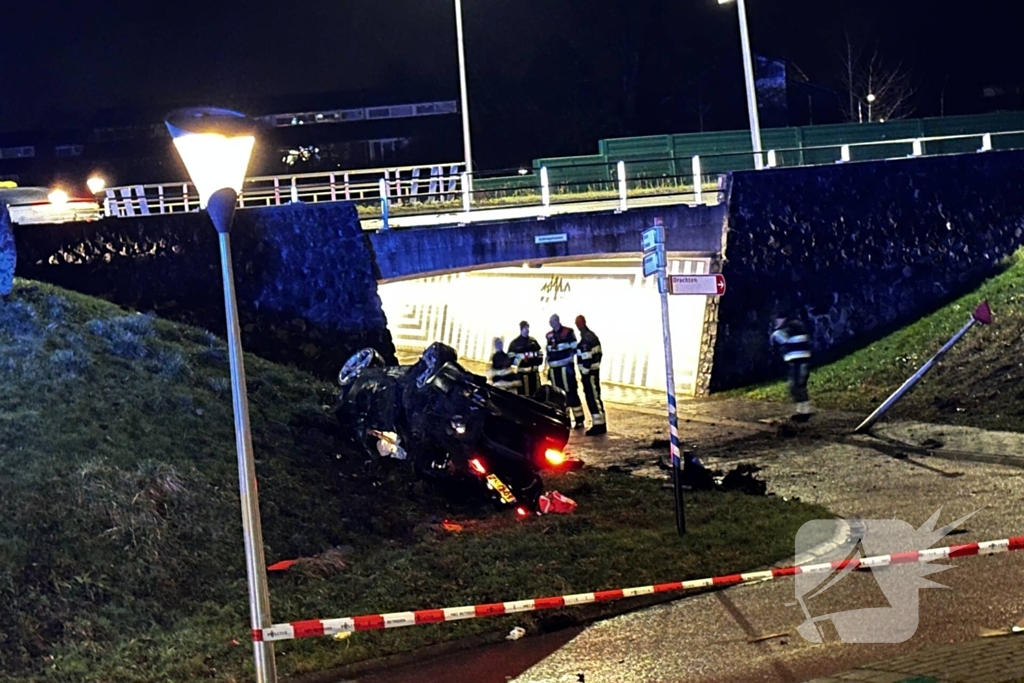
748, 633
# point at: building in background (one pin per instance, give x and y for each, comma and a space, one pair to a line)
299, 135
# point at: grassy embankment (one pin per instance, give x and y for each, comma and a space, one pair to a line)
120, 536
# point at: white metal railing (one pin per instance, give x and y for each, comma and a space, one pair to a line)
448, 183
437, 182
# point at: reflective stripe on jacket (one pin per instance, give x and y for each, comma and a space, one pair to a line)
588, 352
561, 347
793, 341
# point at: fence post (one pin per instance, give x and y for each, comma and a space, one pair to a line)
545, 188
160, 197
184, 194
348, 194
844, 153
772, 159
620, 170
334, 189
986, 143
277, 191
918, 149
467, 195
698, 180
295, 191
383, 185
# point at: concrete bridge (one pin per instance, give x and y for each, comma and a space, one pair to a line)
855, 248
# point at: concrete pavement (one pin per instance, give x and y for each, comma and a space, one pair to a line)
748, 633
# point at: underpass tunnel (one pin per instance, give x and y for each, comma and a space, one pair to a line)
467, 310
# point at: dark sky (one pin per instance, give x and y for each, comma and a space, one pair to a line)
87, 56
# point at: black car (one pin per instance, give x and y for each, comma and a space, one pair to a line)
453, 425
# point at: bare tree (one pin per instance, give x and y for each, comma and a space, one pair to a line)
877, 89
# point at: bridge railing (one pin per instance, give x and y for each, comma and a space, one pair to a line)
447, 188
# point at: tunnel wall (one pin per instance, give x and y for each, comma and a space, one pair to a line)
858, 249
305, 278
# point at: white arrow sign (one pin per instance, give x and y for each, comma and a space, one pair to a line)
709, 285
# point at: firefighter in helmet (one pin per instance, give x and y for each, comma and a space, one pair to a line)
793, 342
527, 358
561, 353
588, 358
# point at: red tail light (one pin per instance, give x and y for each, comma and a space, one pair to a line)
554, 457
522, 512
477, 466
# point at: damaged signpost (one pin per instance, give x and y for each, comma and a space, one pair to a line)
982, 314
655, 262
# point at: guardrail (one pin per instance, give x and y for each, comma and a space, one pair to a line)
446, 188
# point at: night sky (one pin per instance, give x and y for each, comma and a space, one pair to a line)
554, 70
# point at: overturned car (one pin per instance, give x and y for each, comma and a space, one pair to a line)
456, 429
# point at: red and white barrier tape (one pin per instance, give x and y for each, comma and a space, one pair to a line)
369, 622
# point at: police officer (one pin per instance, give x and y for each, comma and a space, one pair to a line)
501, 373
588, 358
526, 359
794, 345
561, 369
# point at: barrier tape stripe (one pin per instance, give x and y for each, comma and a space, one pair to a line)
327, 627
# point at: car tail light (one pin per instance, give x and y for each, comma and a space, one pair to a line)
522, 512
554, 457
477, 466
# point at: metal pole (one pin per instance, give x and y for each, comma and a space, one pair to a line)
383, 187
981, 315
670, 389
465, 95
748, 69
620, 171
259, 595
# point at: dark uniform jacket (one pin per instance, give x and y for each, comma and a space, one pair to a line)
793, 341
501, 373
561, 347
526, 354
588, 352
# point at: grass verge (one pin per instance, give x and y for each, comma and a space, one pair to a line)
120, 538
979, 383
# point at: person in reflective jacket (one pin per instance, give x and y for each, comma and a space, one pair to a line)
527, 358
561, 369
501, 373
793, 342
588, 358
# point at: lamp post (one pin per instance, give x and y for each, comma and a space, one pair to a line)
466, 147
215, 146
871, 100
748, 72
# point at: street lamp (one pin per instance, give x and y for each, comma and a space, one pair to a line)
871, 100
215, 146
96, 184
466, 148
748, 70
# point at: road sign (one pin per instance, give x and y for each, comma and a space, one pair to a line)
551, 239
710, 285
652, 238
654, 261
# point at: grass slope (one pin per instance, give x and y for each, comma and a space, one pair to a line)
120, 537
979, 383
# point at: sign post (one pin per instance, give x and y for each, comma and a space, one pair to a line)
653, 244
656, 262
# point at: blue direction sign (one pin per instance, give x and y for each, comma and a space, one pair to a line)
652, 238
654, 261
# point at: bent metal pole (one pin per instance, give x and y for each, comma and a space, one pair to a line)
982, 314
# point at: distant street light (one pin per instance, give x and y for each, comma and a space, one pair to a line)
871, 100
215, 145
58, 197
96, 184
748, 70
466, 147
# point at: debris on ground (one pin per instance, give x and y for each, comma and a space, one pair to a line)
556, 503
451, 526
516, 633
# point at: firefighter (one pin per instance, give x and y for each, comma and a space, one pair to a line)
794, 345
588, 358
561, 368
526, 359
501, 373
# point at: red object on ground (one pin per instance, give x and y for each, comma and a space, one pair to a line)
281, 566
983, 314
555, 503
